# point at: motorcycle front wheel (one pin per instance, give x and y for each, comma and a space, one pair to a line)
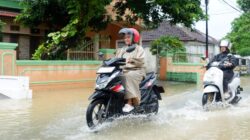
207, 99
96, 113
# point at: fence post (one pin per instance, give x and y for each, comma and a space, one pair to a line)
7, 58
163, 68
96, 46
68, 54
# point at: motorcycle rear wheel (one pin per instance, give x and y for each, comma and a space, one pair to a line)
96, 113
155, 111
155, 102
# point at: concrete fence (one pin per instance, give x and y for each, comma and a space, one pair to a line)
48, 74
185, 72
80, 74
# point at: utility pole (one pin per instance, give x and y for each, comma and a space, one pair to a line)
206, 2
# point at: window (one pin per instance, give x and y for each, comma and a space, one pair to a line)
46, 32
35, 31
104, 41
243, 61
14, 28
1, 36
14, 38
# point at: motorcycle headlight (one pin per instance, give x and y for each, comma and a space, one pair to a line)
102, 85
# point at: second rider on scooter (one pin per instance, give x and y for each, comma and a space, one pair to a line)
134, 70
230, 62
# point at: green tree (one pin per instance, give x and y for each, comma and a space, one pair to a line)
240, 34
1, 27
244, 5
154, 11
166, 44
69, 20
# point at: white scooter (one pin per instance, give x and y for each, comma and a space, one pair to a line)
213, 87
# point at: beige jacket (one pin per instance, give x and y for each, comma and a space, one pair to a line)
134, 60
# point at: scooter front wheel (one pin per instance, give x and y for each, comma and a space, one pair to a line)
96, 113
207, 99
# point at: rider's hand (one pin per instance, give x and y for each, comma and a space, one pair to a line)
228, 64
128, 60
204, 66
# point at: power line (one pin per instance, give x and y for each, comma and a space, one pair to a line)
231, 6
223, 13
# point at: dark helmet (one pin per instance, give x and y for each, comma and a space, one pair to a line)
135, 34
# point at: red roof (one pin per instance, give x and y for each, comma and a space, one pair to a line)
8, 14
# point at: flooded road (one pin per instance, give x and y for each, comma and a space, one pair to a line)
60, 115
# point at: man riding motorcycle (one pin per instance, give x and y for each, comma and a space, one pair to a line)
228, 66
134, 70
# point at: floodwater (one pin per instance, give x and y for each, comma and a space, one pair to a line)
60, 115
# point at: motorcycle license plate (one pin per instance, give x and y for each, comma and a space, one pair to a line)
105, 69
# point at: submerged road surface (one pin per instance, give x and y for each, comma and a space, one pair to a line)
60, 115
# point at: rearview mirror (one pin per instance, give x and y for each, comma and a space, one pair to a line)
100, 54
203, 58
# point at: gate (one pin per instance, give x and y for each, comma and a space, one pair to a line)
83, 52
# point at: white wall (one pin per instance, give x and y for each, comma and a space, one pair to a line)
200, 48
150, 61
15, 87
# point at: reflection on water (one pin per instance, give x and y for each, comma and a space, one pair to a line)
59, 115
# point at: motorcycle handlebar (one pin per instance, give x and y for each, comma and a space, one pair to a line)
121, 63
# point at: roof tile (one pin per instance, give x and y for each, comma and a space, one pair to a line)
183, 33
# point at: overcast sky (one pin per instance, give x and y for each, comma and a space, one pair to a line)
220, 17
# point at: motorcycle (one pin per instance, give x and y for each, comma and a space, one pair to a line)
213, 86
108, 99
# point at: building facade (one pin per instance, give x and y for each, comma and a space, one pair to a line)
27, 38
193, 40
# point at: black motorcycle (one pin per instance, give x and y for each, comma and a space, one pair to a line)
108, 99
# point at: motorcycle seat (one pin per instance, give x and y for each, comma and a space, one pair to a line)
148, 76
236, 74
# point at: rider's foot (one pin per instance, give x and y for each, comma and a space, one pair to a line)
236, 100
127, 108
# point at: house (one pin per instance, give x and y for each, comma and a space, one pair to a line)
28, 39
243, 64
194, 41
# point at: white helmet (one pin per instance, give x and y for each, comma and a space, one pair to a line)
225, 43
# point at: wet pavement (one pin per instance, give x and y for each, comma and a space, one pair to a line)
60, 115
